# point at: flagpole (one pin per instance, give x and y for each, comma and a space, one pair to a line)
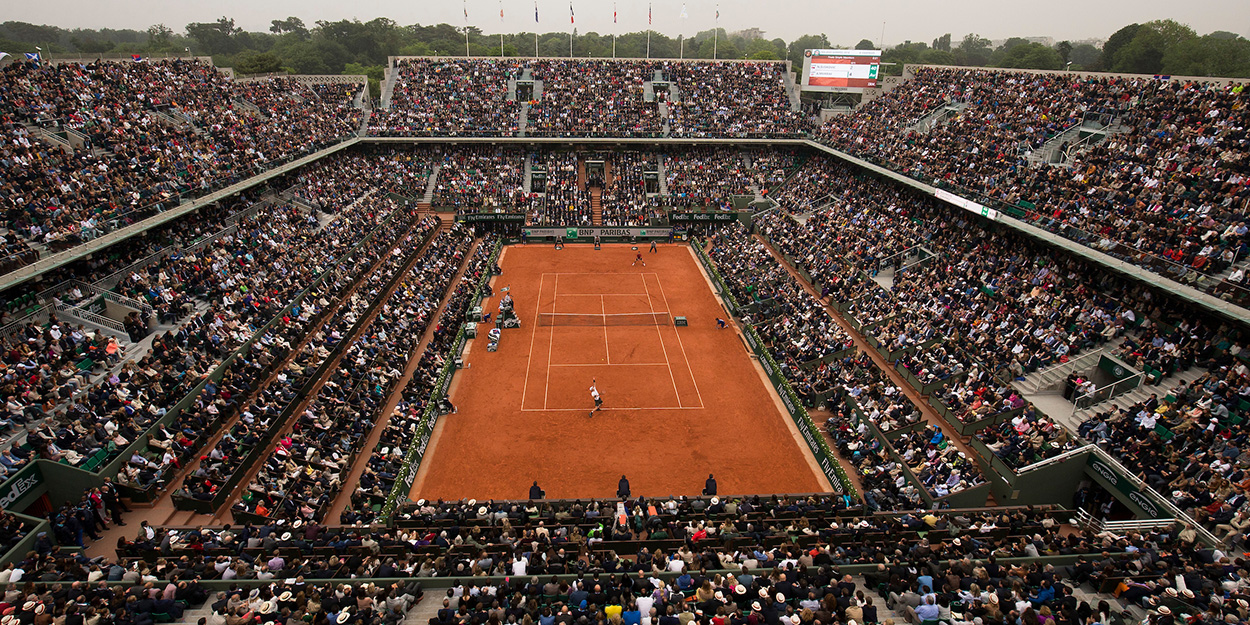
716, 32
648, 30
535, 43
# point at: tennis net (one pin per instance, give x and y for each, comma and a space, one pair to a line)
597, 320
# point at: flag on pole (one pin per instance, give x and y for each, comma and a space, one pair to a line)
535, 11
466, 12
2, 55
648, 14
613, 14
32, 56
572, 20
717, 12
501, 10
683, 11
136, 57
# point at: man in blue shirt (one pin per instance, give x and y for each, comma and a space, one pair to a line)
928, 611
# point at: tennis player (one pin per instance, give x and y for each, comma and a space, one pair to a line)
594, 393
638, 259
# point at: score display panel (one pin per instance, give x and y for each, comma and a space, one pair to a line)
843, 71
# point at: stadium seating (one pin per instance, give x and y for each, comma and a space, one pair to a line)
157, 131
1163, 189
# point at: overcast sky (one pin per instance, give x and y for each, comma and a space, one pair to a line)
844, 21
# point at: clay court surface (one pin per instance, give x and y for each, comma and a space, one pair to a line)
679, 403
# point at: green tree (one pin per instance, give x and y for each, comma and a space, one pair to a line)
1064, 48
1209, 56
1030, 56
257, 63
865, 44
1084, 56
762, 49
215, 37
293, 25
974, 51
943, 43
160, 36
1115, 43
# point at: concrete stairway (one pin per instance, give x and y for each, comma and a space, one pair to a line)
430, 186
1139, 394
528, 173
596, 206
388, 86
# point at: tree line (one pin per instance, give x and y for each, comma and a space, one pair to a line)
355, 47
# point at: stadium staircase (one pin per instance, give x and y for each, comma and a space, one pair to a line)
661, 173
938, 116
1243, 264
251, 108
523, 120
388, 87
596, 206
1050, 379
427, 200
663, 108
793, 90
1143, 392
1061, 149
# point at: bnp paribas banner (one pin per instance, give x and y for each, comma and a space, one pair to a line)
1126, 486
591, 232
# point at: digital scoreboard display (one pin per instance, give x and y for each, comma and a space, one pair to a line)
841, 70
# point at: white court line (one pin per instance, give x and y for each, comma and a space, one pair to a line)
530, 358
607, 351
615, 364
679, 343
598, 294
672, 377
550, 344
611, 409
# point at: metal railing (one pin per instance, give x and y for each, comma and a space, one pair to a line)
1060, 371
1180, 515
116, 298
1071, 453
92, 318
17, 325
115, 278
1110, 391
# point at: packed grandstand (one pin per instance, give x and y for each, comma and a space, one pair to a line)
233, 308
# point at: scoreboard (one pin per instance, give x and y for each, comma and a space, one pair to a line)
843, 71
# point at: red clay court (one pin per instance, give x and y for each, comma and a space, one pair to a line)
679, 403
